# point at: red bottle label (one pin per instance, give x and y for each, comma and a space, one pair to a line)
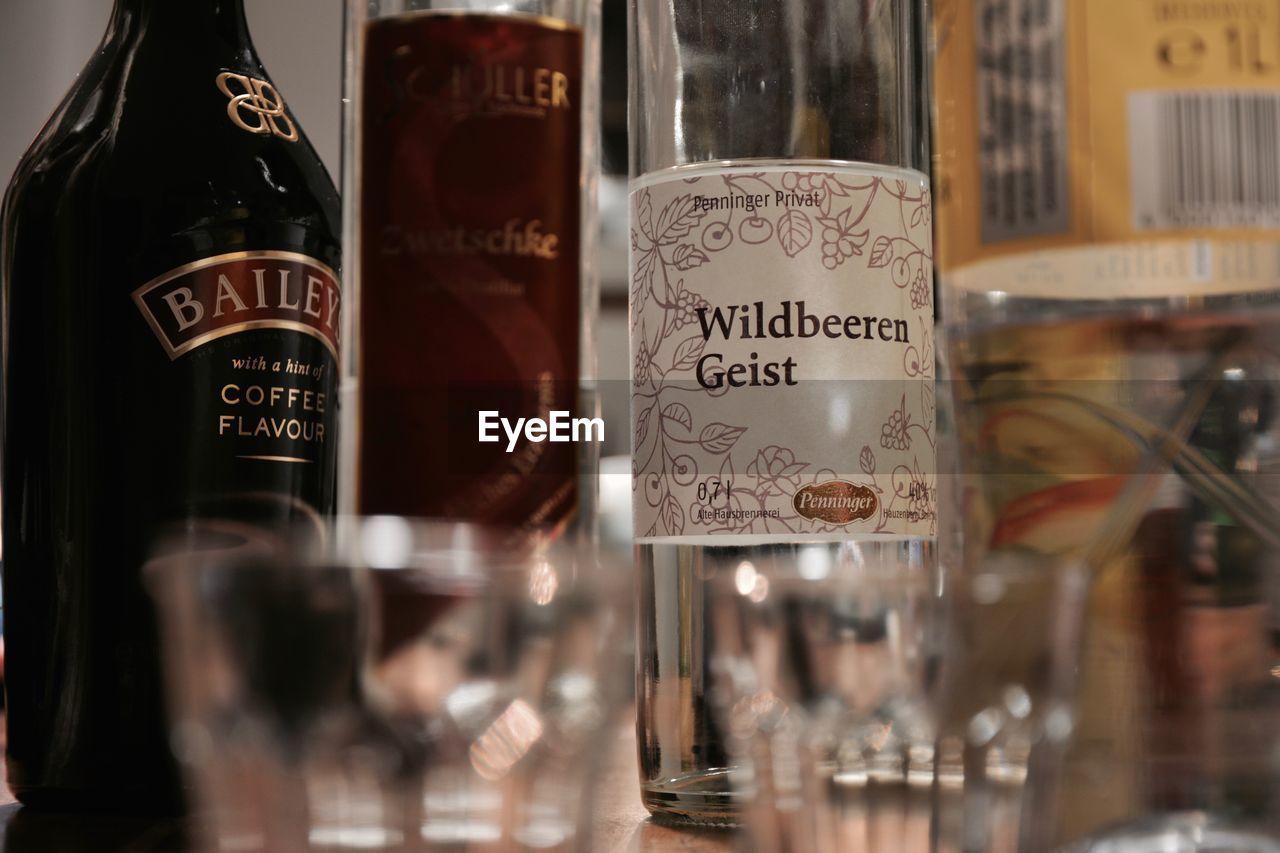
470, 271
201, 302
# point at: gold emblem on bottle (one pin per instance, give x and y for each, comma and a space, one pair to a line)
256, 106
835, 502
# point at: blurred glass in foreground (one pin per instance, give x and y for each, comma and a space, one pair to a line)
411, 688
1113, 673
1108, 226
823, 660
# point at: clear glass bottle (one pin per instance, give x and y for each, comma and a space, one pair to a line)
470, 174
781, 328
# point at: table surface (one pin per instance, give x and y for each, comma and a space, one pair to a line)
621, 824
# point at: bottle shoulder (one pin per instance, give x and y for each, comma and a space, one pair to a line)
79, 124
217, 134
177, 162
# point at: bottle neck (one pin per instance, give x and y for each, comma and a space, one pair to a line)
184, 18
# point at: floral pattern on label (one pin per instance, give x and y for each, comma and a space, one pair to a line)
782, 353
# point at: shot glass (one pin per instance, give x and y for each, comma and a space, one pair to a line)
821, 676
394, 685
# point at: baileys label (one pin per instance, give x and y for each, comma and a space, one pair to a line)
223, 295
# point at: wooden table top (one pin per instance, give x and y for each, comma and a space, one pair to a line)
621, 824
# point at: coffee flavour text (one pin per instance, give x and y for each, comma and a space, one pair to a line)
748, 322
293, 414
559, 427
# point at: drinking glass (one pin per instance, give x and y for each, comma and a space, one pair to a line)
820, 677
391, 686
1112, 677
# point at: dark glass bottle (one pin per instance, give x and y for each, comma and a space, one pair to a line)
170, 340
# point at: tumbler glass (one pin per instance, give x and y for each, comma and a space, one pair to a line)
1112, 677
415, 687
820, 679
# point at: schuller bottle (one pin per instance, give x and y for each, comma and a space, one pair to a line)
470, 183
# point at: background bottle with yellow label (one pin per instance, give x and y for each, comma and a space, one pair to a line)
1108, 187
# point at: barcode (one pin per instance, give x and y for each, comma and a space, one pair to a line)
1021, 96
1205, 159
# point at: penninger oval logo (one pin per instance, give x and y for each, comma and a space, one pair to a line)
836, 502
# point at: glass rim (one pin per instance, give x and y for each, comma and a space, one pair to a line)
448, 551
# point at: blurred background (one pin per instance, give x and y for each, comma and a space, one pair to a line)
45, 43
